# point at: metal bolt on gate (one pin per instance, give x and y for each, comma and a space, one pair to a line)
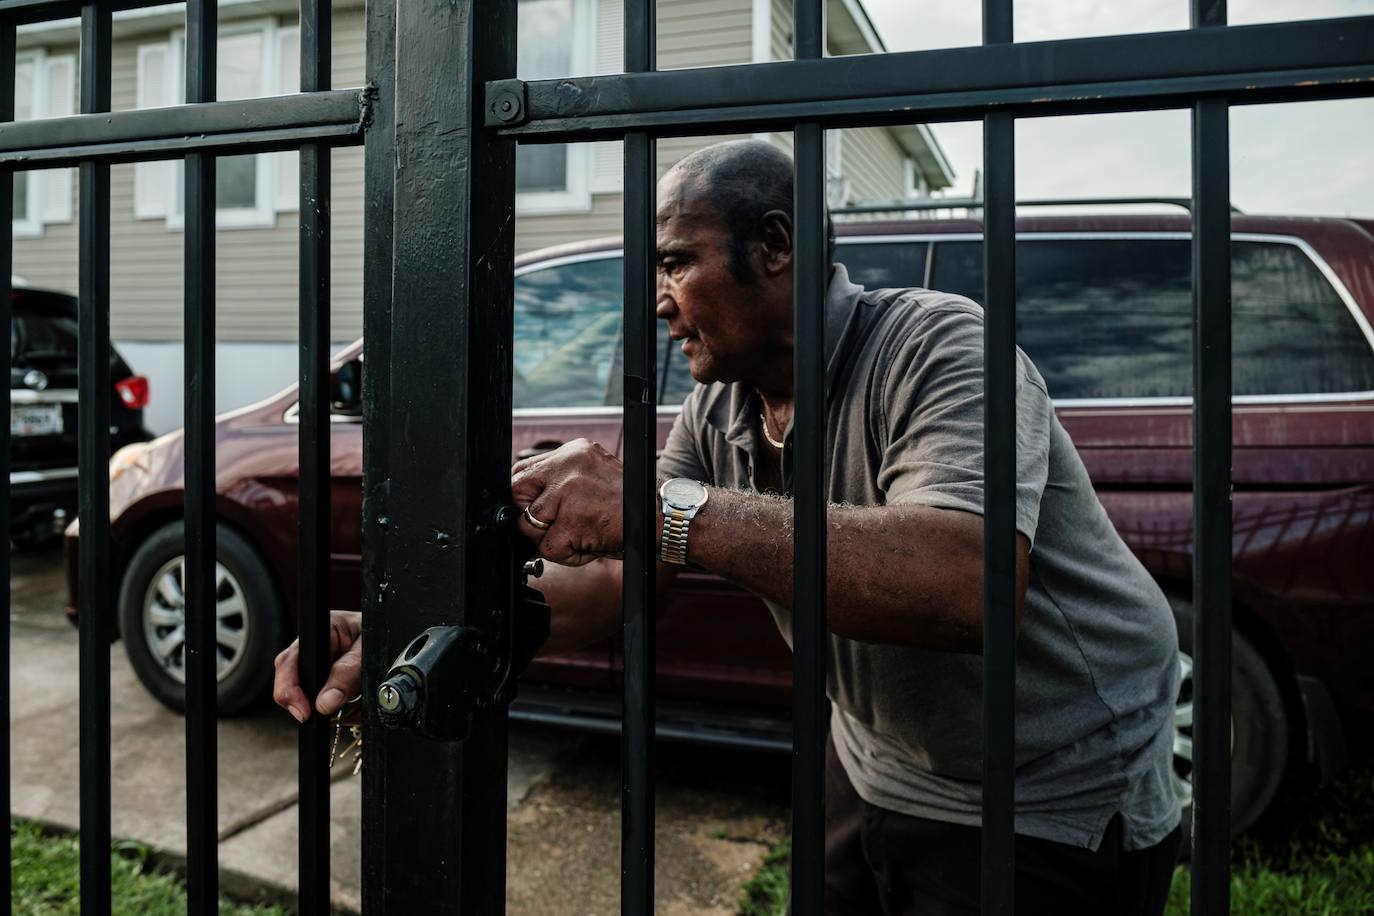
438, 288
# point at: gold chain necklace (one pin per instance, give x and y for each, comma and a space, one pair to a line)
771, 441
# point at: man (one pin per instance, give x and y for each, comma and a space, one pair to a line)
1096, 820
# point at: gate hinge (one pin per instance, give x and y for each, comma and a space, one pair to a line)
506, 103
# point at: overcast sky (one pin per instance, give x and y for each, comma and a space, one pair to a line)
1313, 158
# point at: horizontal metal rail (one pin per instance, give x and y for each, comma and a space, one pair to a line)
19, 12
1248, 64
247, 125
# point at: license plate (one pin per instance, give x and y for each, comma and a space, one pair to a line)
36, 420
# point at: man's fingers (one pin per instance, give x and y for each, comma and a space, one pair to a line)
527, 485
525, 463
344, 683
286, 686
543, 508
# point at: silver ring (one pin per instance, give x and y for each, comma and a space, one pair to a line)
542, 526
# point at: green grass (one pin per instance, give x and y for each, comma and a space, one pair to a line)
766, 892
45, 872
1311, 855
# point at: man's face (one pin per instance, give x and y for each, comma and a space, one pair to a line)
724, 327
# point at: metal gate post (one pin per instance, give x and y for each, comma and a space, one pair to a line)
437, 843
1211, 277
199, 575
637, 792
378, 196
7, 49
94, 600
998, 890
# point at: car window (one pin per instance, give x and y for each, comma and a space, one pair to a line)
1106, 318
1292, 333
957, 267
884, 265
37, 339
674, 370
1112, 318
567, 334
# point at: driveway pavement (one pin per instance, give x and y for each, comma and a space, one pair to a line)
717, 811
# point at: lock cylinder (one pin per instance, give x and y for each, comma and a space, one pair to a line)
398, 699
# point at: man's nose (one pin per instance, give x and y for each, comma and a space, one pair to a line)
664, 306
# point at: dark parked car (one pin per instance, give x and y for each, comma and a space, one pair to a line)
1104, 308
43, 412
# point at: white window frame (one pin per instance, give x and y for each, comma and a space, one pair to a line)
269, 198
914, 184
577, 196
49, 194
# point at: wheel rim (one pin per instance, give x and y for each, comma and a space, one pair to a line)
164, 620
1181, 776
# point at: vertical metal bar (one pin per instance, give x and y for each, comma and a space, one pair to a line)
378, 195
313, 584
452, 322
999, 506
1211, 492
809, 485
641, 415
95, 594
199, 574
7, 49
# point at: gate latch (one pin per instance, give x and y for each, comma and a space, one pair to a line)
448, 674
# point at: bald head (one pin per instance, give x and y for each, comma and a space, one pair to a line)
738, 184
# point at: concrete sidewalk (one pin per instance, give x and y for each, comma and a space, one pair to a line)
717, 812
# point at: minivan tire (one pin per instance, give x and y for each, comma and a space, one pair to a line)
1259, 720
250, 680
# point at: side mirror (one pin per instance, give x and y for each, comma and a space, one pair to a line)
346, 390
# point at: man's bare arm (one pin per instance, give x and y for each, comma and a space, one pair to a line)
903, 575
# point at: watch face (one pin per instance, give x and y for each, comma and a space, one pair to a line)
684, 493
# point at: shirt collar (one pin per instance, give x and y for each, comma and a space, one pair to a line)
737, 415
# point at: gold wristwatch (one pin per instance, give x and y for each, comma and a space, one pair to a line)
682, 500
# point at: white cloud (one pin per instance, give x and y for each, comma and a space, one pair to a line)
1310, 158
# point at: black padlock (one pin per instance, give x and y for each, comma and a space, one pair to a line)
448, 674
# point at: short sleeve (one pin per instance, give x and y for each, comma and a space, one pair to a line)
683, 455
931, 428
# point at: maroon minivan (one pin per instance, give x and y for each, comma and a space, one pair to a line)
1103, 307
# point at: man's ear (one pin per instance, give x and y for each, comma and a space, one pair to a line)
776, 247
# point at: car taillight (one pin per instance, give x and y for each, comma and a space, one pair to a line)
133, 391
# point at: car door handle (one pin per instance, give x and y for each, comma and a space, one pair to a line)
538, 448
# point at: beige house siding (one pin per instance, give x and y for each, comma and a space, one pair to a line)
873, 163
691, 33
704, 33
257, 268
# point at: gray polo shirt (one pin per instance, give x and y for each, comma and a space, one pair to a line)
1097, 665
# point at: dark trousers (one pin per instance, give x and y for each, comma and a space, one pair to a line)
881, 862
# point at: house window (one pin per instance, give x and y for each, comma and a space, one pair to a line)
44, 87
915, 183
555, 39
255, 59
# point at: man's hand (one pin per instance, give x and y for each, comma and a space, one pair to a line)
576, 490
345, 677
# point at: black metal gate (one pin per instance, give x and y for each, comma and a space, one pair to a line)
440, 118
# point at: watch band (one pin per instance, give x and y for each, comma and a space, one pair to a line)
672, 546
